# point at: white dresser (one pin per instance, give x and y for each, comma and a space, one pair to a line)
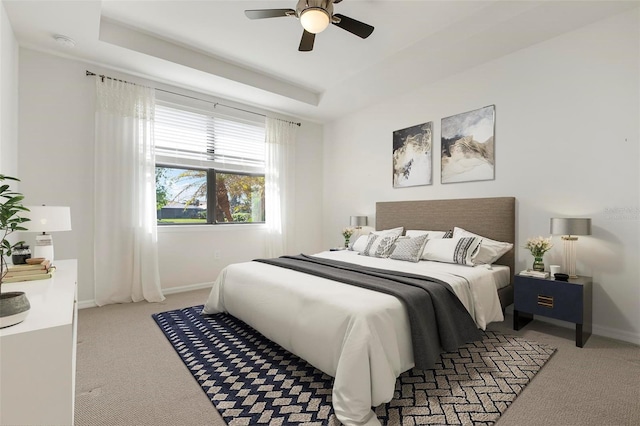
38, 356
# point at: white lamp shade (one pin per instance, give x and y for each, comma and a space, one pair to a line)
314, 19
48, 219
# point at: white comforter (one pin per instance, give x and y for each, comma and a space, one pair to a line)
358, 336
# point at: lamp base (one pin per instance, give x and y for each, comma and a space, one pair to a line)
44, 247
569, 258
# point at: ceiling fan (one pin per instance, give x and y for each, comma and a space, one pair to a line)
315, 16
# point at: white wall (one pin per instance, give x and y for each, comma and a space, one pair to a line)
8, 105
8, 97
56, 124
567, 117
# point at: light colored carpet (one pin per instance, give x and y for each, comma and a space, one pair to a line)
128, 374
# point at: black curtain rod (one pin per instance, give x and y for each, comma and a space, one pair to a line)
215, 104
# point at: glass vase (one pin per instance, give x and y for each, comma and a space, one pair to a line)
346, 242
538, 264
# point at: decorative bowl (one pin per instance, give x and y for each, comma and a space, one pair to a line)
35, 260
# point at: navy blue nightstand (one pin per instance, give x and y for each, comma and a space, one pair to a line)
564, 300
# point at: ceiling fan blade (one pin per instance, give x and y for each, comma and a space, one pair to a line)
306, 43
268, 13
358, 28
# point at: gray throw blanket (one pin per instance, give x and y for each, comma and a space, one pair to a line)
439, 321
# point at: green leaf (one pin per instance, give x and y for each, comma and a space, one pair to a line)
16, 244
16, 199
10, 220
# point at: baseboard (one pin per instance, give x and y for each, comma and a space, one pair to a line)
614, 333
84, 304
190, 287
598, 330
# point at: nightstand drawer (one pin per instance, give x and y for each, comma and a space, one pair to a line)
554, 299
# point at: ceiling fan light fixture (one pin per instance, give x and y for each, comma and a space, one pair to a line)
314, 19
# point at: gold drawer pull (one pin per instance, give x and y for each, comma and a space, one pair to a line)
546, 301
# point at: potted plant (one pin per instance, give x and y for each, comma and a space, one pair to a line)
538, 247
347, 233
14, 305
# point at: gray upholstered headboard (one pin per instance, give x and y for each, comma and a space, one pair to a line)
490, 217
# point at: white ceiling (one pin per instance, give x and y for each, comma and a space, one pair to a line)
211, 47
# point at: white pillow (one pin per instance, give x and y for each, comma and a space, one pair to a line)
409, 249
379, 245
357, 233
452, 250
431, 234
490, 250
360, 244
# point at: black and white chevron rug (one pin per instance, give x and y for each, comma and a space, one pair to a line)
252, 381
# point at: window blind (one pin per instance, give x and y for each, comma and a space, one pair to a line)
208, 137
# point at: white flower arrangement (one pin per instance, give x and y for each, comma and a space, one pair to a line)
347, 232
538, 246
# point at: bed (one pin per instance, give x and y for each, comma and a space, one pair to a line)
360, 337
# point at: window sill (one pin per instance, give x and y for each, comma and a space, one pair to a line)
169, 229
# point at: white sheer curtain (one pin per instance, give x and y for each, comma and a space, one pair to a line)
125, 234
279, 185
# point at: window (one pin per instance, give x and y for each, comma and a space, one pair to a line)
239, 197
209, 167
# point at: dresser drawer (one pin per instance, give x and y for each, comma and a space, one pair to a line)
550, 298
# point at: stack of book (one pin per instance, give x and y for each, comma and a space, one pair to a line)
41, 271
536, 274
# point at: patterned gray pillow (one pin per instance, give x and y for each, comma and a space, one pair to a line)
466, 248
379, 245
409, 249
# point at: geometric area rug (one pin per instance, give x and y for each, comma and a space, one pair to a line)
253, 381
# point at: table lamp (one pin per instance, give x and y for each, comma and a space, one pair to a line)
570, 227
357, 222
46, 219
